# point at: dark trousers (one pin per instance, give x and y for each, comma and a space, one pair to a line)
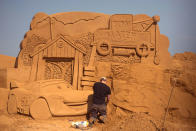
98, 108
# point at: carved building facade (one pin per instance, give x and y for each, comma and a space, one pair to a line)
61, 58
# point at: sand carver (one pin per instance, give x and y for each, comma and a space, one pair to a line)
101, 94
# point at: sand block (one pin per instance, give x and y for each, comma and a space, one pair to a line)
89, 73
87, 78
87, 83
89, 68
3, 98
87, 87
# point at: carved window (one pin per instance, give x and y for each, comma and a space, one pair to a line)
59, 69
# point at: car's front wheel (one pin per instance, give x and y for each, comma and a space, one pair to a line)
40, 109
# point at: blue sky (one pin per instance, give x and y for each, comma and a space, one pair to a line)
177, 18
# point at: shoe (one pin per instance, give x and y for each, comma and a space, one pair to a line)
102, 119
92, 120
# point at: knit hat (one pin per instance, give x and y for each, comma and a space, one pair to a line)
103, 79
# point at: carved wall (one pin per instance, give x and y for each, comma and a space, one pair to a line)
51, 51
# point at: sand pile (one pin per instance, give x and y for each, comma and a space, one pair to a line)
142, 105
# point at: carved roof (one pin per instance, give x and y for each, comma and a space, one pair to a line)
66, 39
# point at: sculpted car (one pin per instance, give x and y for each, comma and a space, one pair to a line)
45, 98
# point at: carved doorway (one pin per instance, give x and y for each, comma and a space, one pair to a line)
59, 68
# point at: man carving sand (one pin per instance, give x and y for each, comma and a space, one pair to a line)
100, 92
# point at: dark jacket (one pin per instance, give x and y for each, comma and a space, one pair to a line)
100, 91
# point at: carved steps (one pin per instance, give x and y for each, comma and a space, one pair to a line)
88, 78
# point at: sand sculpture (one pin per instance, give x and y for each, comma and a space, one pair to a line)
63, 54
59, 62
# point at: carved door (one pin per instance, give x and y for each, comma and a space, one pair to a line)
59, 69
